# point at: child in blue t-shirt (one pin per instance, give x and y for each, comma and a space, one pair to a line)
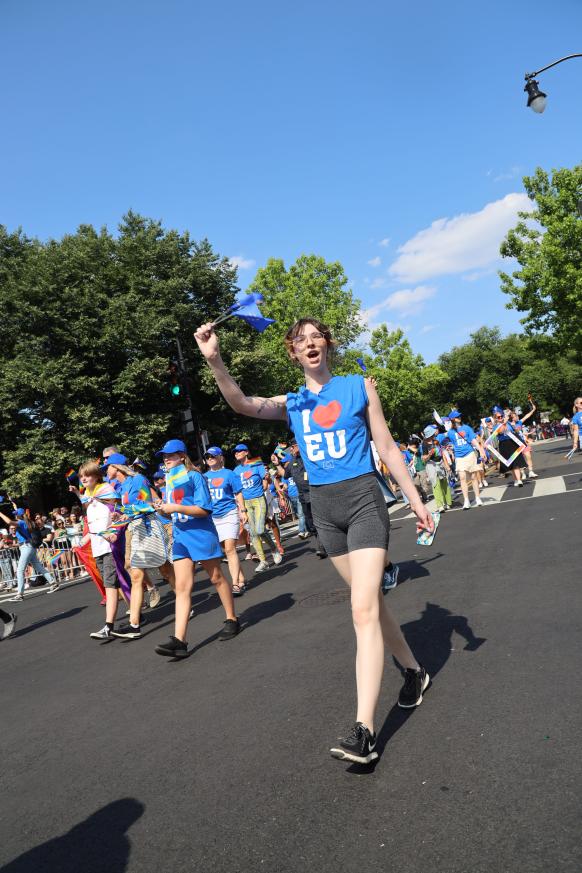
189, 504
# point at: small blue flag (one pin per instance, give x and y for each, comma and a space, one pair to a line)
360, 361
247, 309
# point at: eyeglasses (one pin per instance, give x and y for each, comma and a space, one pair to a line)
300, 341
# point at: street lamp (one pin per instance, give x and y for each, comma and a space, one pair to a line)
536, 99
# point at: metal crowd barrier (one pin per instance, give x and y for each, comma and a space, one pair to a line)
65, 568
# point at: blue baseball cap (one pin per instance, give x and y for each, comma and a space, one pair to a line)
160, 474
430, 431
241, 448
19, 513
488, 418
498, 410
116, 458
172, 446
454, 413
215, 451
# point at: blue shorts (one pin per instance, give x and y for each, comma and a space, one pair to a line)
198, 545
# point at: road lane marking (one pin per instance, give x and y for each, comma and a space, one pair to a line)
545, 487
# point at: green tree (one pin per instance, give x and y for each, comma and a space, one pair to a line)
547, 244
407, 387
89, 326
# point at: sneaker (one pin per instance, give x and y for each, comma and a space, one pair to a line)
303, 536
154, 598
359, 746
17, 598
277, 558
478, 502
191, 614
485, 483
520, 484
103, 634
262, 565
516, 484
229, 630
415, 682
467, 504
128, 632
247, 557
174, 648
390, 578
9, 625
533, 475
54, 586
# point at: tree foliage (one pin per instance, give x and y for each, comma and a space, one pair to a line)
547, 244
89, 324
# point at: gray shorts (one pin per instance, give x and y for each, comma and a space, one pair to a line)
106, 566
351, 515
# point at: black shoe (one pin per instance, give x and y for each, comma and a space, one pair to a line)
230, 629
9, 626
359, 746
174, 648
128, 632
415, 682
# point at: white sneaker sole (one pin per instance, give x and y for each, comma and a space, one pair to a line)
342, 755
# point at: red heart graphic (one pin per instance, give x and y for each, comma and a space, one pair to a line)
462, 433
326, 416
247, 474
178, 495
217, 482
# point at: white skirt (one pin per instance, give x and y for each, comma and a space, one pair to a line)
227, 526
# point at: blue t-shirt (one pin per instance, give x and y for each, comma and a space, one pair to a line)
22, 532
292, 489
135, 491
509, 428
198, 534
251, 478
331, 429
223, 485
461, 440
577, 419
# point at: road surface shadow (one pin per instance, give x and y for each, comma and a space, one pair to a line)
21, 632
430, 638
415, 569
98, 844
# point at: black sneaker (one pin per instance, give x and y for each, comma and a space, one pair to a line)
9, 626
359, 746
128, 632
174, 648
390, 577
415, 682
230, 629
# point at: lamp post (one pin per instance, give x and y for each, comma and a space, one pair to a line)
536, 99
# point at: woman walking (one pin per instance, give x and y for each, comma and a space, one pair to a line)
189, 504
331, 417
227, 505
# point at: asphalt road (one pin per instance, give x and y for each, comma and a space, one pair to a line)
114, 759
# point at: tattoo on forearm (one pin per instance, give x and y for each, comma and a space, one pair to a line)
268, 404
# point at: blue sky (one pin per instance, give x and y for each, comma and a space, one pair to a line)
391, 137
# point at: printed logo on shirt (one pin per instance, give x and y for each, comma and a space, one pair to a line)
217, 482
247, 474
178, 495
326, 416
328, 445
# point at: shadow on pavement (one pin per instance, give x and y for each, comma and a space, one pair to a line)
261, 611
37, 624
415, 569
98, 844
430, 638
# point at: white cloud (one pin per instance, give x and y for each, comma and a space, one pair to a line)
384, 242
242, 263
427, 328
379, 282
375, 262
406, 302
469, 241
512, 173
478, 274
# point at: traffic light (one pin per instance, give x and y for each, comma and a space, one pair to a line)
174, 381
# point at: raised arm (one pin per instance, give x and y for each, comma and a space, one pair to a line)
270, 408
392, 457
529, 414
